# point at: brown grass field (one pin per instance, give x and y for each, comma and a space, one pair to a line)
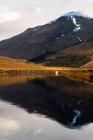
7, 63
15, 66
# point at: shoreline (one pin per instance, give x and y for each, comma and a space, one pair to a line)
47, 71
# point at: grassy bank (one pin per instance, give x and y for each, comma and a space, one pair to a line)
13, 66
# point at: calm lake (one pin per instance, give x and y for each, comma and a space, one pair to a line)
45, 108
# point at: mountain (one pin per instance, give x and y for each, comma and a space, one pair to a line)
41, 42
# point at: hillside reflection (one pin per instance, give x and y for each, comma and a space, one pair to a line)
67, 101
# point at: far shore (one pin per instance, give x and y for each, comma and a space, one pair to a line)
47, 70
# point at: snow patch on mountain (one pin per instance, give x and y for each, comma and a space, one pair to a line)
79, 39
62, 35
77, 28
73, 16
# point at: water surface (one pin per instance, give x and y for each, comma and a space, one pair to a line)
45, 108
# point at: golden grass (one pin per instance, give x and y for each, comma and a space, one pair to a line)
15, 66
7, 63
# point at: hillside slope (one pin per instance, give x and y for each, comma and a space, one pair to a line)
7, 63
17, 65
74, 56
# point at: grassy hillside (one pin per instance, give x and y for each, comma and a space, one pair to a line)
14, 65
69, 61
7, 63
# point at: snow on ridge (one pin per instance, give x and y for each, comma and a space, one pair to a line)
77, 28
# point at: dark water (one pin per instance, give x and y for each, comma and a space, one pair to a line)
51, 108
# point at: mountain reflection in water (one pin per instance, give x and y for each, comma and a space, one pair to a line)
66, 101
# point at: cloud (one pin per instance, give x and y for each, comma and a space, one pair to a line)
35, 8
28, 13
7, 15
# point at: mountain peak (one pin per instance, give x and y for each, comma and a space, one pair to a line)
71, 14
77, 13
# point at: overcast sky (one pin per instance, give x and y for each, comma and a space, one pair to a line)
18, 15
